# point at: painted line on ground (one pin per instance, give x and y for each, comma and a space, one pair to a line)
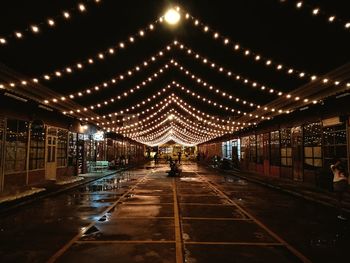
65, 247
178, 232
263, 226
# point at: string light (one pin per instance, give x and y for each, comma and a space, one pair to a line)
80, 8
315, 11
84, 62
246, 52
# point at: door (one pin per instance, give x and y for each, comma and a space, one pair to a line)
266, 153
297, 153
2, 152
51, 150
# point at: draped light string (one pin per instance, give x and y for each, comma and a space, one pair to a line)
172, 118
118, 78
238, 48
145, 123
244, 80
191, 109
287, 97
222, 70
254, 56
159, 93
151, 111
149, 99
173, 134
127, 110
317, 11
125, 94
230, 97
212, 88
49, 23
209, 101
177, 118
190, 137
161, 120
80, 65
168, 137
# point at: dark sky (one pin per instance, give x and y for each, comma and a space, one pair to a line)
272, 29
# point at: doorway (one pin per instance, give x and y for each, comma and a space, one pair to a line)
297, 153
51, 152
2, 152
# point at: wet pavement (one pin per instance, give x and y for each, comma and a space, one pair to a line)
144, 216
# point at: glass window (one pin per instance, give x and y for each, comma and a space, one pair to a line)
227, 149
72, 149
260, 148
245, 148
16, 145
37, 148
252, 148
312, 146
2, 132
275, 148
334, 138
286, 147
62, 144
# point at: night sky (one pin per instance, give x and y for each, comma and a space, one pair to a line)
275, 30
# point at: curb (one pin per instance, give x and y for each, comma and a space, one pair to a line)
275, 187
35, 197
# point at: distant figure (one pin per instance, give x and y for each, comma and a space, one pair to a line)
155, 158
340, 184
179, 157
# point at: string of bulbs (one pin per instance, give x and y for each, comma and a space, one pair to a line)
316, 11
50, 22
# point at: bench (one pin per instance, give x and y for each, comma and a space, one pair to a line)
99, 166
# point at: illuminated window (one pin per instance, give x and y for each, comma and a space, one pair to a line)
312, 145
286, 147
16, 145
275, 159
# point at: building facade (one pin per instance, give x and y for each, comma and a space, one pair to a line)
300, 147
44, 146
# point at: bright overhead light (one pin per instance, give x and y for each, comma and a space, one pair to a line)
172, 16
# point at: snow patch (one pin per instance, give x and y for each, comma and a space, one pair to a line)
21, 194
70, 180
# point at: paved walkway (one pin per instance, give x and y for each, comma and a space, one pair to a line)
27, 194
187, 219
144, 216
307, 191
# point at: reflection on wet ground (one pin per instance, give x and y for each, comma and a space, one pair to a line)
133, 217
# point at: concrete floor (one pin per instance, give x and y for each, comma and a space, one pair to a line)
144, 216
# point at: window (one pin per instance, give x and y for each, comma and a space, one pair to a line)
245, 148
312, 146
286, 147
227, 149
252, 148
275, 159
62, 144
236, 148
16, 145
335, 144
72, 149
2, 132
260, 149
37, 148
